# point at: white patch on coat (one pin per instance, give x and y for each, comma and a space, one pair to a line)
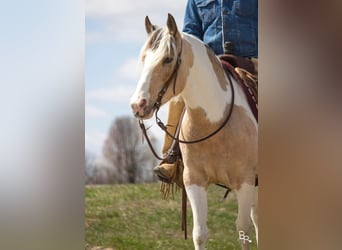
203, 81
241, 100
197, 196
142, 89
246, 199
202, 89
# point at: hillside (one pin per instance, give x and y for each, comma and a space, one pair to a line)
134, 217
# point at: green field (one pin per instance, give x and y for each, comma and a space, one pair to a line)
134, 217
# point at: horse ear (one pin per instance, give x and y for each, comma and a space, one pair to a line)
171, 25
149, 26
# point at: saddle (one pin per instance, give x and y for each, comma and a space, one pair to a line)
245, 73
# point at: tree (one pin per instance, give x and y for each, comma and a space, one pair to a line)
123, 148
102, 172
89, 166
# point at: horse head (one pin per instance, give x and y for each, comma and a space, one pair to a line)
160, 57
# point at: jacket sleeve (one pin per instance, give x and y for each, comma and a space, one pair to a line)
192, 20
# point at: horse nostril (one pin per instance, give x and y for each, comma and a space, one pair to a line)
139, 107
142, 103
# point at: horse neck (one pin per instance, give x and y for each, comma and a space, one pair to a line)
206, 88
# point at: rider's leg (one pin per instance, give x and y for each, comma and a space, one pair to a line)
167, 170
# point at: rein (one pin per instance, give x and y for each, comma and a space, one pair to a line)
164, 128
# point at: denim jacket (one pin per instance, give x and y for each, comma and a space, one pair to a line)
219, 21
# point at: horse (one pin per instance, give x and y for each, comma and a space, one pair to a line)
173, 58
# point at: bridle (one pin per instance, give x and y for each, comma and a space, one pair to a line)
157, 105
166, 85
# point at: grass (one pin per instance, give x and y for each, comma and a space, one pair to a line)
134, 217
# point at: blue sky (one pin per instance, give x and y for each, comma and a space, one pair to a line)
115, 33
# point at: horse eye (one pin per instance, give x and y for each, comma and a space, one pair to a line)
167, 60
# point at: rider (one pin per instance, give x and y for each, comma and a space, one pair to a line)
223, 25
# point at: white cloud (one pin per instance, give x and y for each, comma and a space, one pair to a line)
105, 8
131, 69
94, 112
121, 92
115, 94
109, 8
124, 20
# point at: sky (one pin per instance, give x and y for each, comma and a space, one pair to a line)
114, 35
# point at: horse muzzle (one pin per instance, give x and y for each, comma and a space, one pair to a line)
141, 109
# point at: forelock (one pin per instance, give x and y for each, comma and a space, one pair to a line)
161, 42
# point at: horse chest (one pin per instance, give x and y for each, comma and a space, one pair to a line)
229, 157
